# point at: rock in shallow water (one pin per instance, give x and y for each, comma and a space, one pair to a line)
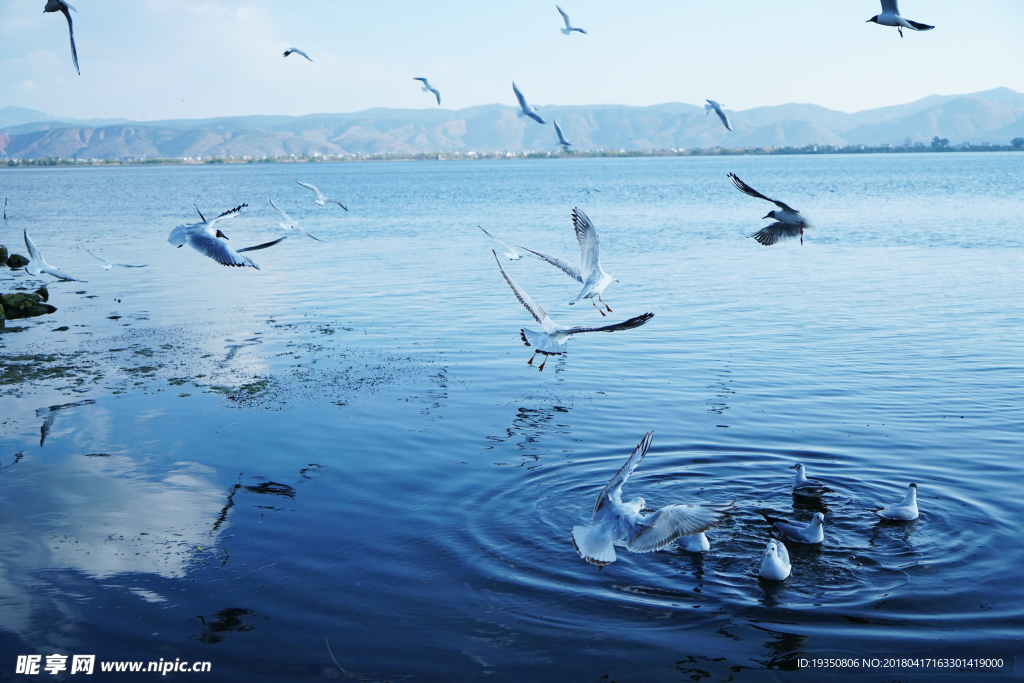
19, 305
16, 261
3, 255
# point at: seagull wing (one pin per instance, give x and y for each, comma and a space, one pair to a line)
561, 135
335, 201
775, 232
71, 32
522, 100
748, 190
725, 119
437, 94
263, 246
536, 117
510, 249
57, 273
33, 250
298, 52
613, 489
532, 306
230, 213
565, 17
590, 245
918, 26
671, 522
218, 250
890, 6
313, 187
285, 217
566, 267
307, 233
127, 265
626, 325
103, 260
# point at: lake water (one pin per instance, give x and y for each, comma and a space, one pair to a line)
348, 447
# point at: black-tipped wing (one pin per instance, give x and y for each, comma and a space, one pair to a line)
565, 17
590, 244
529, 304
437, 94
917, 26
613, 489
748, 190
536, 117
71, 32
724, 118
626, 325
230, 213
775, 232
265, 245
218, 250
566, 267
561, 136
672, 522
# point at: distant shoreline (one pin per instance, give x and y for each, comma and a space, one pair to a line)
482, 156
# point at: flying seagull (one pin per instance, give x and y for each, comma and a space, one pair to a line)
204, 238
289, 223
107, 265
511, 253
890, 16
429, 88
320, 198
788, 221
38, 264
618, 523
61, 6
808, 488
775, 564
811, 532
527, 110
717, 108
296, 51
905, 510
566, 144
552, 339
590, 273
569, 28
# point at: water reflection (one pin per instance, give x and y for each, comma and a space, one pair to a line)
50, 414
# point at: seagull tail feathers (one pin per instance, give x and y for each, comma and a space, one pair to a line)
594, 547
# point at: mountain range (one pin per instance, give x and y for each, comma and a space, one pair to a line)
995, 116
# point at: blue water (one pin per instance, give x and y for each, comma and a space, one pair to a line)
348, 447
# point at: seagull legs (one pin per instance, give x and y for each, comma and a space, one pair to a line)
530, 362
801, 235
598, 309
603, 303
541, 368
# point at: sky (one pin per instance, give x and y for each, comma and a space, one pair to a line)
162, 59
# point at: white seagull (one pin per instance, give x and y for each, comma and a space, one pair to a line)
590, 273
775, 564
61, 6
713, 106
812, 532
618, 523
904, 510
510, 252
569, 28
320, 198
550, 342
788, 221
289, 223
890, 16
429, 88
695, 543
204, 238
107, 265
527, 110
296, 51
38, 264
566, 144
809, 488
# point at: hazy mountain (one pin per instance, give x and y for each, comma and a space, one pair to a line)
994, 116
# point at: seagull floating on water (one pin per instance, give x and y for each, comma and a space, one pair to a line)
553, 338
61, 6
527, 110
510, 252
204, 238
812, 532
569, 28
618, 523
429, 88
107, 265
775, 564
590, 273
890, 16
320, 198
789, 221
905, 510
38, 264
695, 543
713, 106
809, 488
566, 144
296, 51
289, 223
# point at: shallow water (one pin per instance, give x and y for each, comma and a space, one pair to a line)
348, 445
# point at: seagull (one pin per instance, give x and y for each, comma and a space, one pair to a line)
203, 237
550, 341
890, 16
561, 137
107, 265
801, 533
789, 221
590, 273
527, 110
695, 543
38, 264
511, 253
569, 28
61, 6
320, 198
905, 510
429, 88
775, 564
5, 208
809, 488
296, 51
618, 523
717, 108
290, 223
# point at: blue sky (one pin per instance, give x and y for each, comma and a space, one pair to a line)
151, 59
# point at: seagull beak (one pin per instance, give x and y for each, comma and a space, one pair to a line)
794, 467
768, 216
646, 509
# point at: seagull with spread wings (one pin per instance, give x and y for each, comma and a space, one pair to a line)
296, 51
569, 28
206, 239
320, 198
38, 265
107, 265
289, 223
619, 523
566, 144
61, 6
552, 340
788, 221
511, 253
890, 16
713, 106
590, 273
526, 109
429, 88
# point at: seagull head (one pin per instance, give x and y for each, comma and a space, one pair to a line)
797, 467
770, 548
820, 517
771, 214
913, 486
873, 19
220, 234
